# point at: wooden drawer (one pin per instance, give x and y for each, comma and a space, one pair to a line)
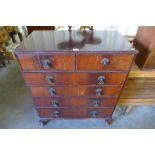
56, 62
74, 78
75, 102
28, 62
75, 112
71, 91
104, 61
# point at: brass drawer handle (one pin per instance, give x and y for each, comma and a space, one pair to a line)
105, 61
49, 79
46, 63
56, 114
52, 91
96, 103
93, 113
98, 92
101, 79
55, 103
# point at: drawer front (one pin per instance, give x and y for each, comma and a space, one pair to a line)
70, 91
57, 62
72, 102
28, 62
75, 112
104, 61
74, 78
51, 62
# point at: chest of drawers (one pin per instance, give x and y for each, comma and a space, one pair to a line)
75, 74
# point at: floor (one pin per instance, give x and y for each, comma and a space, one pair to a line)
17, 110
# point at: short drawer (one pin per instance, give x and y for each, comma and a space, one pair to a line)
75, 112
56, 62
75, 78
70, 91
104, 61
75, 102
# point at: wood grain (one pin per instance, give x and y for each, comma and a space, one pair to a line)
136, 72
75, 102
76, 91
93, 61
75, 112
59, 62
28, 62
139, 88
62, 71
75, 78
145, 43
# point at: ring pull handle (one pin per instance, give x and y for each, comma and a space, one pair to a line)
101, 79
46, 63
52, 91
98, 92
93, 113
105, 61
50, 79
96, 103
55, 103
56, 114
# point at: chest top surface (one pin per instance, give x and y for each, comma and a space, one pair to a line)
75, 40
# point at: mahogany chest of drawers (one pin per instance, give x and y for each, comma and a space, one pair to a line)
75, 74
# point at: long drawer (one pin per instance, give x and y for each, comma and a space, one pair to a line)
100, 62
75, 102
75, 78
56, 62
71, 91
75, 112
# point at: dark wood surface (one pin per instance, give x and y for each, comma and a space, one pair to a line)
57, 62
64, 78
74, 102
145, 43
70, 91
74, 62
93, 61
57, 41
75, 112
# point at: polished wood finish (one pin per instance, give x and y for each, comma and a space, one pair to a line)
94, 61
75, 112
76, 91
28, 62
145, 43
57, 62
75, 78
75, 74
75, 102
72, 41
